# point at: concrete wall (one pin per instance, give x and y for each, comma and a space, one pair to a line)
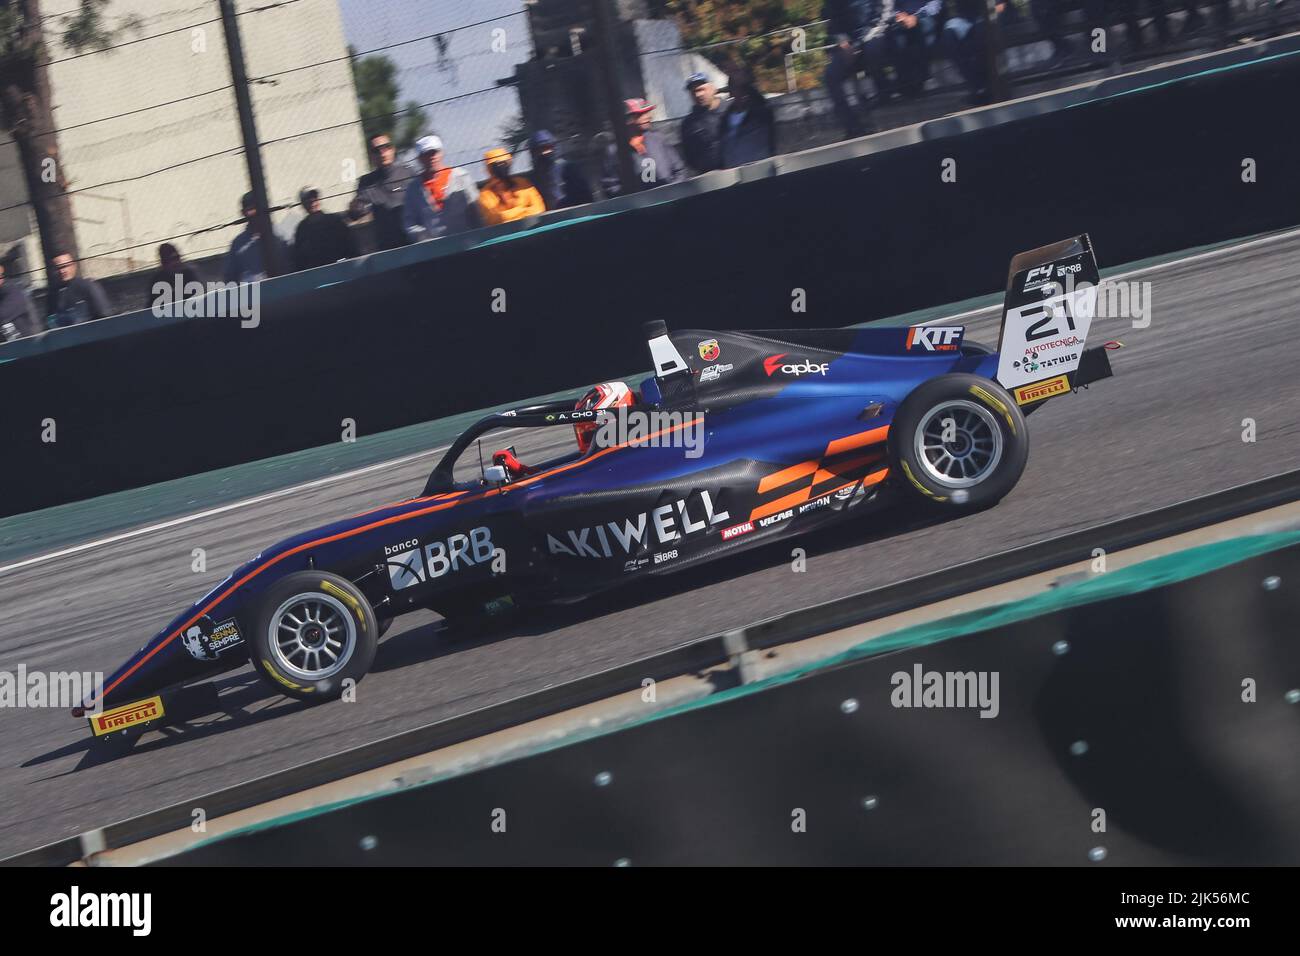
141, 206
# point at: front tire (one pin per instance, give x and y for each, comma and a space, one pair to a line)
312, 632
959, 441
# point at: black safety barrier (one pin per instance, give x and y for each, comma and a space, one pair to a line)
409, 336
1153, 728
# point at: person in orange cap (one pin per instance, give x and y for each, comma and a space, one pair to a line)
506, 198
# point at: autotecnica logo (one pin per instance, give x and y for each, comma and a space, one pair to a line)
772, 364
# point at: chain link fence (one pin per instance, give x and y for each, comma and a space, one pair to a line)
144, 144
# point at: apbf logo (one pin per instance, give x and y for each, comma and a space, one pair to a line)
772, 364
935, 338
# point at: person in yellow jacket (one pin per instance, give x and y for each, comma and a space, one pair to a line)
506, 198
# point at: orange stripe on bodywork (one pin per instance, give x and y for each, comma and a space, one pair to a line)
772, 507
876, 477
831, 472
442, 506
799, 497
786, 475
840, 445
837, 447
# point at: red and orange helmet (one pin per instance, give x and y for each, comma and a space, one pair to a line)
605, 395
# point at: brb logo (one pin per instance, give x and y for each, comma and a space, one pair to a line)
772, 365
935, 338
409, 564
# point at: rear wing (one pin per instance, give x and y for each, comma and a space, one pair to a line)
1046, 315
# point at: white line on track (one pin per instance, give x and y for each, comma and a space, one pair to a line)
331, 479
200, 515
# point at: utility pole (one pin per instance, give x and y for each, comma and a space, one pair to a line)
612, 85
248, 130
992, 48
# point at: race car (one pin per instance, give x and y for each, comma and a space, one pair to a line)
734, 440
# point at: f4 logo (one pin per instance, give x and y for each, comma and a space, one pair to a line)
935, 338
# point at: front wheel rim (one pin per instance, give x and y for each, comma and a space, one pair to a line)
312, 636
958, 444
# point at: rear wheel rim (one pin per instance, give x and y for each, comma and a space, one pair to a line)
312, 636
958, 444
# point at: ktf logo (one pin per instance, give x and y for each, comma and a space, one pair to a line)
935, 338
772, 365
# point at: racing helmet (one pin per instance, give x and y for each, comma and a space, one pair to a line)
605, 395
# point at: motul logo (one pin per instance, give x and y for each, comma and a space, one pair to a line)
772, 365
736, 530
935, 338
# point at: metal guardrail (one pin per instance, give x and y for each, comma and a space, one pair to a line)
692, 656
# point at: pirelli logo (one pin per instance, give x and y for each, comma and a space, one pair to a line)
120, 718
1027, 394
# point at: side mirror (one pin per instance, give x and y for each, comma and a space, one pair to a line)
495, 474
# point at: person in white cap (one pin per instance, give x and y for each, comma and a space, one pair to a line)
441, 200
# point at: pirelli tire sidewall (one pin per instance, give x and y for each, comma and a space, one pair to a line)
958, 386
340, 589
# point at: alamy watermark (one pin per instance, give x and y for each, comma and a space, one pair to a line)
61, 689
950, 689
208, 300
1112, 300
651, 430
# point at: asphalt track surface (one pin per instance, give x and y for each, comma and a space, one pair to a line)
1220, 348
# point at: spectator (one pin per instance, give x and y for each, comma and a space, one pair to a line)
560, 182
380, 194
1195, 21
657, 161
1127, 13
851, 23
701, 133
441, 200
506, 198
962, 41
17, 312
75, 299
322, 237
910, 31
1047, 14
244, 261
161, 291
748, 128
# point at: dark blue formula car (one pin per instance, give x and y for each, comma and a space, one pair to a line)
737, 438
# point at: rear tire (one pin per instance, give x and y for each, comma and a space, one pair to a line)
959, 442
312, 632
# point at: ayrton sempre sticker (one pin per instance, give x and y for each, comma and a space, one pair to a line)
206, 640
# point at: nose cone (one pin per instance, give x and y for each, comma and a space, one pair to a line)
203, 640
